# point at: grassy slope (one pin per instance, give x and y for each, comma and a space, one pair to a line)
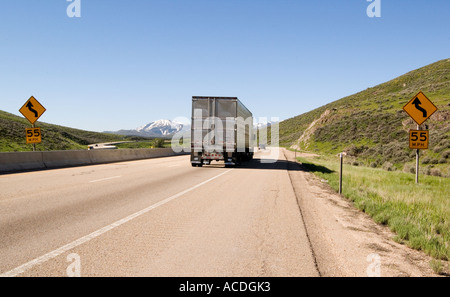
12, 136
373, 128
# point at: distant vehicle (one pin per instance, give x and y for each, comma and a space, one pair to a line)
221, 130
106, 146
102, 146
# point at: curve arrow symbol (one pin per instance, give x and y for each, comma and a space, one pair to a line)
30, 108
417, 103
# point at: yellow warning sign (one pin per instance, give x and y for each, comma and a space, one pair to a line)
419, 139
33, 135
32, 110
420, 108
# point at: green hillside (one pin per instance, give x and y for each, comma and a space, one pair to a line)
12, 136
372, 127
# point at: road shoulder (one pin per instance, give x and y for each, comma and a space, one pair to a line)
346, 241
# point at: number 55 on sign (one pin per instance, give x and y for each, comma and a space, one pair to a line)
33, 135
419, 139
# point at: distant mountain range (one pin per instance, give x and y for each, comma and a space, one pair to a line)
160, 129
166, 129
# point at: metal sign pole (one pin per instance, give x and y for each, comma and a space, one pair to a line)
34, 144
417, 161
417, 166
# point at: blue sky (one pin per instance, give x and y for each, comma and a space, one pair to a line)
126, 63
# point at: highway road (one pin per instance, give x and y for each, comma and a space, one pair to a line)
162, 217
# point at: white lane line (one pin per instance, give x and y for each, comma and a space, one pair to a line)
21, 269
103, 179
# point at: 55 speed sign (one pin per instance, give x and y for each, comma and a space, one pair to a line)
419, 139
33, 135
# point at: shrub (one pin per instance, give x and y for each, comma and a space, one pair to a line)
409, 168
158, 143
438, 149
435, 172
388, 166
426, 160
426, 170
354, 150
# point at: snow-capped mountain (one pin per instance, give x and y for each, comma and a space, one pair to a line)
168, 128
261, 125
160, 128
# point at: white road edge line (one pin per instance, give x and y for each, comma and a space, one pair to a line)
21, 269
103, 179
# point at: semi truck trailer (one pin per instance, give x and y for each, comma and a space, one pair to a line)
221, 130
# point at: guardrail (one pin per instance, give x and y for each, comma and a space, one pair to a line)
24, 161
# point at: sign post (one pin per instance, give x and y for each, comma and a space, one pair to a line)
417, 166
32, 110
420, 109
417, 160
418, 140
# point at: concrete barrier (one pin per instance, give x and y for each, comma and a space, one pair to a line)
10, 162
57, 159
23, 161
